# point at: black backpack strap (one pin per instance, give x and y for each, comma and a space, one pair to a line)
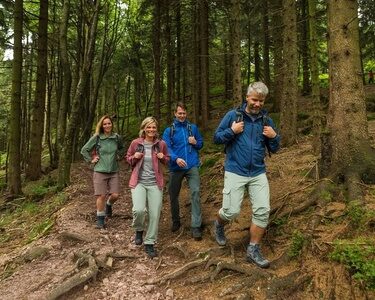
239, 114
156, 147
190, 130
140, 148
97, 144
265, 122
171, 132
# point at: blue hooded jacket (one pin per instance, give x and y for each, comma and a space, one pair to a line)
245, 151
179, 147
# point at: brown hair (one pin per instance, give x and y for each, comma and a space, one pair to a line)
180, 104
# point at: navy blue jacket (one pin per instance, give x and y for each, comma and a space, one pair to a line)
245, 151
179, 147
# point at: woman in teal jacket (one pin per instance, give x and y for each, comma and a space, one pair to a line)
103, 150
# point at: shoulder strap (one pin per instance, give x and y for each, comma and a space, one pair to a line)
140, 148
239, 114
265, 122
171, 132
190, 131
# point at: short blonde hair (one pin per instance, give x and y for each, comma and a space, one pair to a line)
146, 122
99, 126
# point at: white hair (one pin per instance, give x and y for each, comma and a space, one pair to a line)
258, 87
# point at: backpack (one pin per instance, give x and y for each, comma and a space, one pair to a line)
173, 128
265, 122
95, 150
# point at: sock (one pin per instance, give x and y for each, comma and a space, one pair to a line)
109, 203
252, 244
100, 213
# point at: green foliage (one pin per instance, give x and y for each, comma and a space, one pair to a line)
324, 80
326, 196
298, 241
40, 229
208, 163
358, 214
359, 258
37, 190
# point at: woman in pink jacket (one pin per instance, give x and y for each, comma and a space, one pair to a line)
146, 155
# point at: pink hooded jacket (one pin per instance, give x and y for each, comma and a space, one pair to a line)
158, 146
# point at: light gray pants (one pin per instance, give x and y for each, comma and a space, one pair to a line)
147, 199
233, 193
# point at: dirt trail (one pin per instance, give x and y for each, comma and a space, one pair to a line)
50, 261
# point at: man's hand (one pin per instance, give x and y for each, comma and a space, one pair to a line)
192, 140
181, 163
237, 127
269, 132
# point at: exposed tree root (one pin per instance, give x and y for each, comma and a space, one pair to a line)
72, 236
180, 271
85, 275
235, 288
254, 273
117, 255
177, 247
284, 287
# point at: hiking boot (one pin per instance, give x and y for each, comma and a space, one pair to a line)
196, 233
108, 210
100, 222
150, 250
219, 233
175, 226
138, 238
254, 255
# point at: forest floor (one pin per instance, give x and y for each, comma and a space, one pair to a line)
106, 264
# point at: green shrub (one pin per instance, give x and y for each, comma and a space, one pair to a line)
298, 241
359, 258
359, 215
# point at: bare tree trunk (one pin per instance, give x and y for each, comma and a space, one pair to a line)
266, 44
235, 43
170, 60
14, 173
203, 32
351, 156
304, 48
67, 78
288, 116
157, 57
277, 33
67, 153
34, 165
315, 84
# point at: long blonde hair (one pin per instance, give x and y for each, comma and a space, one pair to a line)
99, 126
145, 123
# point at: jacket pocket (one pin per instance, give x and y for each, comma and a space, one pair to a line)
226, 198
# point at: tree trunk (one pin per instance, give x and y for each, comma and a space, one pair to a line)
314, 69
351, 157
67, 153
288, 116
178, 50
67, 79
170, 60
34, 165
266, 44
235, 43
304, 48
256, 61
277, 32
14, 172
157, 57
204, 36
